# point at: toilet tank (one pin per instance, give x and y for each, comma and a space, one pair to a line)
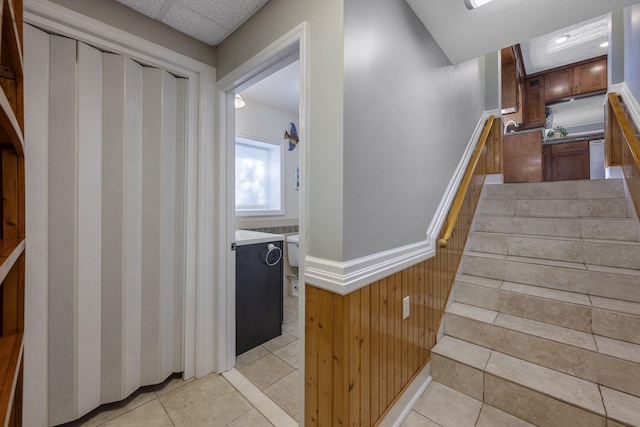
293, 249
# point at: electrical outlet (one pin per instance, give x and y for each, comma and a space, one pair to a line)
405, 307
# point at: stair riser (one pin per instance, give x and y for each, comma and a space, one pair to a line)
619, 374
602, 208
603, 229
458, 376
601, 189
470, 330
535, 407
478, 296
572, 316
620, 326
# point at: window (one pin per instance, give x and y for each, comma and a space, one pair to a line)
258, 177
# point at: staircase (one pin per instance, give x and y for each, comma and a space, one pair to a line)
545, 323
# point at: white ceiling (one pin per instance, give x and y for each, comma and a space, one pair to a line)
210, 21
543, 53
280, 90
464, 34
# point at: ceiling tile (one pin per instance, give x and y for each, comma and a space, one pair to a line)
197, 26
543, 53
230, 13
149, 8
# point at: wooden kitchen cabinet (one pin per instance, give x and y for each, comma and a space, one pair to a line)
590, 77
558, 84
522, 157
577, 79
533, 105
512, 84
566, 161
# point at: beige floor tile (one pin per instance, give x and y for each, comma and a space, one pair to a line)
266, 371
447, 407
458, 376
492, 417
616, 325
251, 418
285, 393
619, 374
476, 313
465, 352
572, 316
545, 330
292, 328
414, 419
468, 329
479, 281
112, 410
552, 294
279, 342
250, 356
209, 401
290, 353
616, 305
149, 414
291, 304
480, 296
170, 385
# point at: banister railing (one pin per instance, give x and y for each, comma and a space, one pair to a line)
450, 222
623, 146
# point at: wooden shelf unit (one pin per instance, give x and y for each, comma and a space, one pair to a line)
12, 213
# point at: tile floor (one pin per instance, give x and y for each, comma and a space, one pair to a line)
213, 400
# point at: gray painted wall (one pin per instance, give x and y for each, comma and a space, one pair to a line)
408, 118
632, 49
615, 55
120, 16
323, 131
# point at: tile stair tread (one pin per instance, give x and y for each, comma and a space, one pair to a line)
579, 189
564, 387
619, 306
547, 331
621, 407
614, 270
479, 281
472, 312
485, 255
629, 243
462, 351
547, 293
620, 349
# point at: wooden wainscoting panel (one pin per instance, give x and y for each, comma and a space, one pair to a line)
359, 352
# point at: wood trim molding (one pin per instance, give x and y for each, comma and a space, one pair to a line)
345, 277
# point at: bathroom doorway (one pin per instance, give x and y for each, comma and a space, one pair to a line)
263, 102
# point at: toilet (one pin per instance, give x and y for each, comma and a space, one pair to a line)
293, 253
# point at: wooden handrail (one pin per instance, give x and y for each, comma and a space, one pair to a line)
450, 222
625, 126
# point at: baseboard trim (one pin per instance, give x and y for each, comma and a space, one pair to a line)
407, 400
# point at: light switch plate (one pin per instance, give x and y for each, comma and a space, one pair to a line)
405, 307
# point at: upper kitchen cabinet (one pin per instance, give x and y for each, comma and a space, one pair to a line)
558, 84
512, 82
578, 79
590, 76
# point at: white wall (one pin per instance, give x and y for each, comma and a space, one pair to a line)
408, 117
264, 123
632, 49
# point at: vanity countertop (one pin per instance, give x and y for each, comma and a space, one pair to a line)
250, 237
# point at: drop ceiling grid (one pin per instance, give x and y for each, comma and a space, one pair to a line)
543, 53
209, 21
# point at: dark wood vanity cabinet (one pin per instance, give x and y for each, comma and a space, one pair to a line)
566, 161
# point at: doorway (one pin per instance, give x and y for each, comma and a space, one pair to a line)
289, 51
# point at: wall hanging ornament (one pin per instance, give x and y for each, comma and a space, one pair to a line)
292, 136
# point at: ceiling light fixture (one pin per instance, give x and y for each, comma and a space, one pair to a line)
604, 44
472, 4
562, 39
239, 102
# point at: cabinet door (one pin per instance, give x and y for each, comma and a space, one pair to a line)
523, 157
590, 77
570, 161
558, 84
533, 104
